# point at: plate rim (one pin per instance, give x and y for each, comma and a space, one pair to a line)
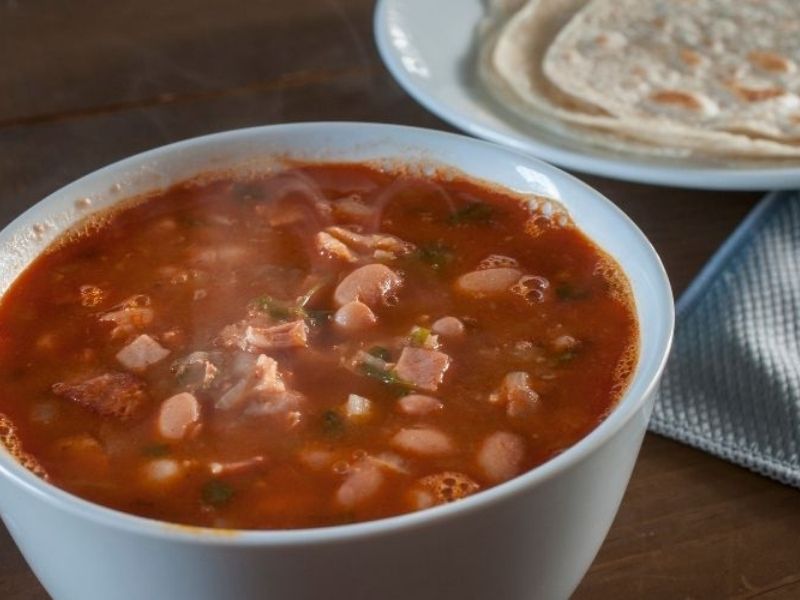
710, 178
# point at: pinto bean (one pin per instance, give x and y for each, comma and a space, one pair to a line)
363, 482
354, 316
419, 405
370, 284
488, 282
500, 456
424, 441
448, 327
179, 416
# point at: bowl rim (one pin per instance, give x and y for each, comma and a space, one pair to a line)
626, 408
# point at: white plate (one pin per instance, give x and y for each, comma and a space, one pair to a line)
428, 47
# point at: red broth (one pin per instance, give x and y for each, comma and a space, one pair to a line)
325, 345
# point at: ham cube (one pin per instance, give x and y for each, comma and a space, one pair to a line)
422, 368
141, 353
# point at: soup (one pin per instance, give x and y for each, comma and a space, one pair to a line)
317, 346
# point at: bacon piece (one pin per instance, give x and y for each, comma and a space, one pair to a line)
119, 395
422, 368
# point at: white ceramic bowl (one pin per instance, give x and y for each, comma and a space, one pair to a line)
532, 537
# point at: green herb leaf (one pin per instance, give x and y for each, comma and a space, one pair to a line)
332, 424
274, 308
217, 493
436, 255
474, 212
380, 352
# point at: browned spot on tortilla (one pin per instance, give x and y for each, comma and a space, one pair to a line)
690, 57
769, 61
601, 40
677, 98
750, 94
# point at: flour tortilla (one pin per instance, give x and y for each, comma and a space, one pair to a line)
710, 64
511, 52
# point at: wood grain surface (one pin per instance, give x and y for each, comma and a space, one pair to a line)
85, 83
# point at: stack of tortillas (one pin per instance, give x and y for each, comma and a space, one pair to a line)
663, 77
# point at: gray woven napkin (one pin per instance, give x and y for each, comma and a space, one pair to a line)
732, 383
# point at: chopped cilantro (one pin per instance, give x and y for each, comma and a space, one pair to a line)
380, 352
216, 493
332, 424
437, 255
474, 212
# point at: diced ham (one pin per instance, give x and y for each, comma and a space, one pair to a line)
329, 246
516, 394
354, 316
119, 395
488, 282
501, 455
449, 327
285, 403
362, 483
131, 315
252, 338
442, 488
357, 408
423, 441
198, 370
141, 353
261, 378
370, 284
422, 368
179, 416
419, 405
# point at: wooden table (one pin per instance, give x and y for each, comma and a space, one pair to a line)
86, 83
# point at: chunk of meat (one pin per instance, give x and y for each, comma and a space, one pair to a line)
501, 455
370, 284
379, 245
448, 327
488, 282
352, 210
329, 246
363, 482
354, 316
119, 395
260, 378
516, 394
141, 353
178, 417
198, 370
419, 405
131, 315
442, 488
422, 368
286, 404
254, 337
423, 441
